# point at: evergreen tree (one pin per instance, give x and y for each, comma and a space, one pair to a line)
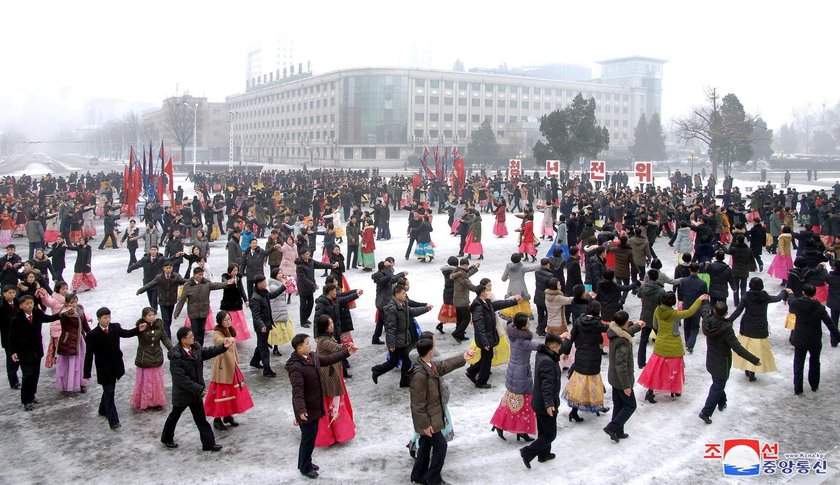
483, 143
787, 139
762, 139
639, 150
571, 133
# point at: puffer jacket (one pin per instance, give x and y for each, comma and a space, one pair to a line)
448, 284
620, 372
515, 272
518, 378
720, 279
683, 244
586, 335
667, 344
279, 308
149, 354
462, 286
742, 260
555, 304
188, 372
623, 260
754, 307
650, 293
400, 331
720, 342
429, 393
609, 295
484, 320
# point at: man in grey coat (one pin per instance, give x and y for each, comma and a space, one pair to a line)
462, 287
620, 374
35, 234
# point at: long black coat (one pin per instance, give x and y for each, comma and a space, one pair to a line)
325, 306
25, 338
720, 279
188, 372
833, 280
83, 258
105, 350
754, 307
541, 276
586, 335
609, 294
809, 314
307, 383
758, 238
400, 331
742, 260
306, 275
720, 342
6, 313
573, 277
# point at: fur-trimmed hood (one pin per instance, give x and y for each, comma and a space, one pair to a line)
614, 332
514, 333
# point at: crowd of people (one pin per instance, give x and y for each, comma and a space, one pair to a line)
278, 229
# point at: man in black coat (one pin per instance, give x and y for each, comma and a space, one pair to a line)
692, 287
175, 249
108, 230
9, 266
263, 323
165, 285
806, 337
573, 277
9, 305
542, 275
330, 303
131, 235
253, 262
152, 264
186, 365
720, 278
742, 263
483, 313
306, 285
546, 399
304, 369
757, 236
400, 335
720, 342
27, 348
384, 279
103, 344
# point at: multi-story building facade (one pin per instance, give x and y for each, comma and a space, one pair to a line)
213, 127
371, 116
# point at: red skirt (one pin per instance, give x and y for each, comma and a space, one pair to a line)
822, 294
500, 229
665, 374
473, 247
447, 314
50, 236
340, 429
528, 248
228, 399
345, 286
238, 322
515, 415
83, 281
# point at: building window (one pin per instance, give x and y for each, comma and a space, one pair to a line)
433, 134
525, 105
434, 100
447, 133
500, 119
488, 103
463, 101
475, 103
419, 99
488, 118
419, 116
537, 105
368, 153
448, 84
418, 134
448, 101
500, 103
434, 83
500, 133
536, 90
433, 116
447, 117
462, 133
392, 153
462, 117
513, 119
514, 104
348, 154
475, 118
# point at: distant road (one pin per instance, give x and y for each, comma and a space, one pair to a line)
40, 164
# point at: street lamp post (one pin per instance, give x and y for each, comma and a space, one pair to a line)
692, 158
195, 131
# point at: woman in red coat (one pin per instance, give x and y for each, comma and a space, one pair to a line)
526, 244
500, 228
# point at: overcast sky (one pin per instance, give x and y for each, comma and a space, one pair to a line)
56, 54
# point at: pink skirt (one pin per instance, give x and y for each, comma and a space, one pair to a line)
343, 428
546, 231
88, 229
228, 399
822, 294
780, 266
50, 236
149, 391
473, 247
455, 224
5, 237
664, 374
528, 248
240, 324
515, 415
211, 320
68, 370
83, 281
500, 229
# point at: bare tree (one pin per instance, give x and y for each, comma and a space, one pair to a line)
178, 120
803, 119
726, 132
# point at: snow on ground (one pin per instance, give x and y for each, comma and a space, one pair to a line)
64, 441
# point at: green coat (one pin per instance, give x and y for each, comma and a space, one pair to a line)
475, 227
667, 344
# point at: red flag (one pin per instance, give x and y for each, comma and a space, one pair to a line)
459, 172
169, 180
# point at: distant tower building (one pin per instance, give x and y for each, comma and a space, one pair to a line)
459, 66
253, 64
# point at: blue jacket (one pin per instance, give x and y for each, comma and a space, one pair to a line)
692, 288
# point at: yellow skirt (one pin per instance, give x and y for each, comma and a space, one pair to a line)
759, 347
283, 332
790, 321
585, 393
501, 352
523, 306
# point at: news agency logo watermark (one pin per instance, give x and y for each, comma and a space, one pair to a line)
749, 457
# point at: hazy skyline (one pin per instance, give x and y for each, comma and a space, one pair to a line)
56, 55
